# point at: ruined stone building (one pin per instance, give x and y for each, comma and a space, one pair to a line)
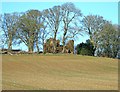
48, 46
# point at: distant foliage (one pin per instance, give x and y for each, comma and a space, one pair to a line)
108, 41
85, 48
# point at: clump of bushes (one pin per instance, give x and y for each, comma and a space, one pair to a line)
86, 48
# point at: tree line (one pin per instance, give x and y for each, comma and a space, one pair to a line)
33, 27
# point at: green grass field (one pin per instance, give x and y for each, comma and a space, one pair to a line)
59, 72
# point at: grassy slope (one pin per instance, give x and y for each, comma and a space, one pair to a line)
59, 72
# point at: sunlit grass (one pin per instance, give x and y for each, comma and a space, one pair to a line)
59, 72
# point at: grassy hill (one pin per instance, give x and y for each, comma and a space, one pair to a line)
59, 72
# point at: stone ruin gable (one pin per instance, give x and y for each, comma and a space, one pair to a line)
59, 49
48, 46
70, 46
50, 42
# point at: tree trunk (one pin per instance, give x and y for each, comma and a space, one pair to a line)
9, 45
54, 42
44, 47
31, 44
63, 50
38, 50
63, 40
54, 45
30, 47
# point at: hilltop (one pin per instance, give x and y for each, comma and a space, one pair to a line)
59, 72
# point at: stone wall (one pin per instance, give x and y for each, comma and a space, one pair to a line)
48, 46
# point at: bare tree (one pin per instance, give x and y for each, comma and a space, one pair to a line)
44, 33
70, 15
53, 18
9, 28
93, 24
29, 28
108, 40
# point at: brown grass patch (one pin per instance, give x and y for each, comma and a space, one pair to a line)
71, 72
